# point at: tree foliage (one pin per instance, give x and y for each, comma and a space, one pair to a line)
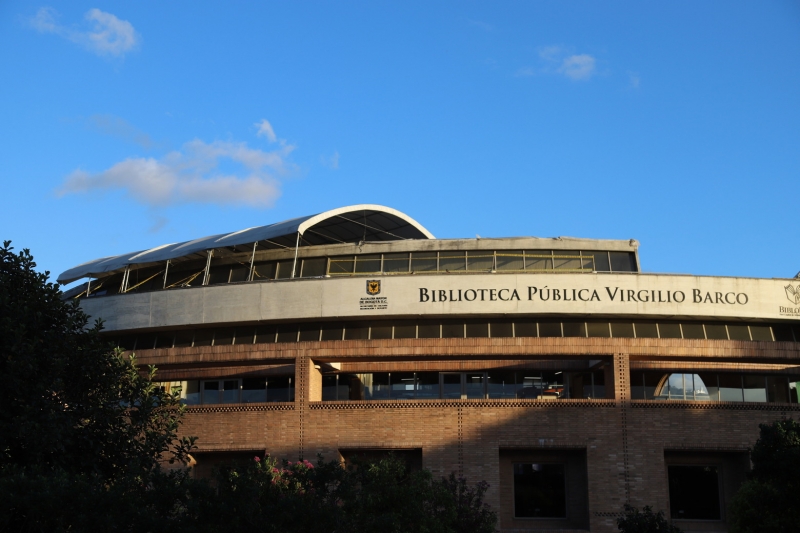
83, 435
644, 521
382, 495
769, 501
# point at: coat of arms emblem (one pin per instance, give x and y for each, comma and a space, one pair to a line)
792, 293
373, 287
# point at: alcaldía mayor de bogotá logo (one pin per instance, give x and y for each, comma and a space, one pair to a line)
374, 287
793, 294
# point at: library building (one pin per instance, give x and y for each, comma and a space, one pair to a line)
552, 368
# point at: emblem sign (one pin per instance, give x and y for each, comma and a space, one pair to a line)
792, 294
373, 287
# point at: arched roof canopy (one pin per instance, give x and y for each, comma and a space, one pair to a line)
355, 223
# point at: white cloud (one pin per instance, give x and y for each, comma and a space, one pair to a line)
265, 130
332, 161
118, 127
578, 67
524, 72
551, 53
108, 35
634, 80
191, 175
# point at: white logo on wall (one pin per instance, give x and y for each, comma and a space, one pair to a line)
793, 294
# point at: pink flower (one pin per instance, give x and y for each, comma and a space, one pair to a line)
257, 459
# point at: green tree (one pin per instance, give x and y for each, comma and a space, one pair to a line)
381, 496
78, 422
769, 501
644, 521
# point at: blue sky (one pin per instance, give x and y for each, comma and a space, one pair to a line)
126, 125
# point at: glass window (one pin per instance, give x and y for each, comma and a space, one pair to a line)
427, 331
578, 329
597, 329
730, 387
280, 389
646, 330
794, 389
285, 269
423, 262
500, 329
696, 388
761, 333
710, 383
552, 385
332, 332
396, 262
652, 381
245, 335
147, 342
669, 330
203, 337
478, 329
599, 384
368, 264
538, 260
693, 331
309, 332
192, 393
510, 260
287, 333
531, 384
164, 340
265, 334
474, 385
549, 329
502, 384
783, 333
540, 491
739, 333
480, 260
219, 274
254, 390
230, 391
528, 329
622, 329
376, 385
211, 392
329, 388
716, 332
451, 385
601, 262
403, 385
356, 332
452, 330
637, 386
452, 261
427, 385
673, 388
622, 262
240, 272
341, 265
223, 337
265, 270
693, 492
314, 267
381, 331
405, 330
567, 260
755, 388
777, 389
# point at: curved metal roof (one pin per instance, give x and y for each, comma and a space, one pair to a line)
363, 222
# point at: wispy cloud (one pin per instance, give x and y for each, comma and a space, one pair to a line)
192, 175
106, 36
485, 26
265, 130
556, 59
120, 128
578, 67
634, 80
332, 161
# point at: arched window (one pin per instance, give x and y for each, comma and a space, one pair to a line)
682, 387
